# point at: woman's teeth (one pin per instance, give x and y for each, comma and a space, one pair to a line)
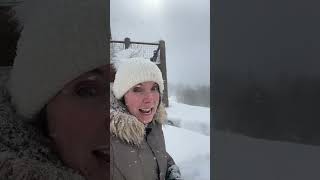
145, 111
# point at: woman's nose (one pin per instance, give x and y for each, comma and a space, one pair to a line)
148, 97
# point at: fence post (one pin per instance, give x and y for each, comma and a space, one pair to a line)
163, 67
126, 43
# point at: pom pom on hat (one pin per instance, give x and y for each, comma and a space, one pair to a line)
133, 71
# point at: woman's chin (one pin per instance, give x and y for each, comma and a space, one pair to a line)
145, 120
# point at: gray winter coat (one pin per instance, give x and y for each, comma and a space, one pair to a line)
137, 152
24, 150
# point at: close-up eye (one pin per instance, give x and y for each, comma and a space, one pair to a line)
86, 90
137, 89
155, 88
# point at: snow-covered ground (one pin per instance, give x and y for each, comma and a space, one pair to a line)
194, 118
240, 157
189, 144
236, 157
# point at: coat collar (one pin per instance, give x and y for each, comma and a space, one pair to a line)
125, 126
24, 150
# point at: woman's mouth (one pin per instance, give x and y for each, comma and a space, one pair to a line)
146, 111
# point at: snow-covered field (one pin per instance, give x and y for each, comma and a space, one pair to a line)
189, 144
237, 157
194, 118
240, 157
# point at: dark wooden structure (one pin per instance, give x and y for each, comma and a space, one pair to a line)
157, 54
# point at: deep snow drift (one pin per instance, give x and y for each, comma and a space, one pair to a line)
238, 157
189, 144
194, 118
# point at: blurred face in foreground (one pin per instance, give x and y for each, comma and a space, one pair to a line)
77, 123
142, 101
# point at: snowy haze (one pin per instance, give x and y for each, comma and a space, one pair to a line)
182, 24
241, 157
189, 141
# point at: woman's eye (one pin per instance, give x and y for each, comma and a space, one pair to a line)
137, 89
89, 89
155, 88
87, 92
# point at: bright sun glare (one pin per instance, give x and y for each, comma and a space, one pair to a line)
152, 4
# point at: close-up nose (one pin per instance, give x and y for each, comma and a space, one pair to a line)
147, 97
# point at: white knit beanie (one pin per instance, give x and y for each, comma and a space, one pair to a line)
60, 40
133, 71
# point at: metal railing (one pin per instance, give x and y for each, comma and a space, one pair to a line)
153, 51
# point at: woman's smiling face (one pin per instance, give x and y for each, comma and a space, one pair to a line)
77, 123
142, 101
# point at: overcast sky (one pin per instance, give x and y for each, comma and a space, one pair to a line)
183, 24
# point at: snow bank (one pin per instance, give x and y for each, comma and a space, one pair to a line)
241, 157
190, 150
194, 118
189, 142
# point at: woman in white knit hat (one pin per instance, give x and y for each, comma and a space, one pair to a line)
137, 115
53, 107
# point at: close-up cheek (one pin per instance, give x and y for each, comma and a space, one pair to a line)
156, 96
76, 131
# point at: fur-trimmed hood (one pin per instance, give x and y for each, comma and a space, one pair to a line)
125, 126
24, 151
